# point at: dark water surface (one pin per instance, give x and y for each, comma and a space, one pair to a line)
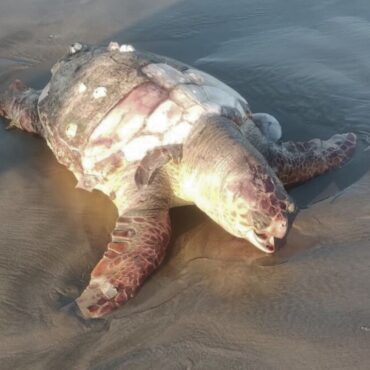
216, 303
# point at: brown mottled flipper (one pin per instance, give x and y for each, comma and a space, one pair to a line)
19, 105
139, 242
296, 162
138, 246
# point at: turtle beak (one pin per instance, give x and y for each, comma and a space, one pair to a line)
265, 239
261, 241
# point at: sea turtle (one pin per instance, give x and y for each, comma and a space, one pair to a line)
153, 133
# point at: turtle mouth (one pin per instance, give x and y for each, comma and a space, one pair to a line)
262, 241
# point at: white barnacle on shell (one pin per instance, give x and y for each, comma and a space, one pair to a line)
126, 48
74, 48
82, 87
113, 46
71, 130
100, 92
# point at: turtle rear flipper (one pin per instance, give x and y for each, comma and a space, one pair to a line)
19, 105
296, 162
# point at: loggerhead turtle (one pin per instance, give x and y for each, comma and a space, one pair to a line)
153, 133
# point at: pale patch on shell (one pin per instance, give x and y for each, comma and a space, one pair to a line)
164, 116
137, 148
177, 134
129, 126
206, 79
100, 92
113, 46
194, 113
188, 95
82, 87
108, 124
71, 130
164, 75
99, 152
213, 108
219, 96
88, 163
124, 48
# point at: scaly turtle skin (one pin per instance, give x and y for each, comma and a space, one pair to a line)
153, 133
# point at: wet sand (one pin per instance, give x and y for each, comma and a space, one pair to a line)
216, 303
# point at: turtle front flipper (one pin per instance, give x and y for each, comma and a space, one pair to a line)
138, 246
296, 162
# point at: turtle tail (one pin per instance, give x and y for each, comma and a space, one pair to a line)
18, 104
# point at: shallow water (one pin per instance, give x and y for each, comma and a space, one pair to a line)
216, 302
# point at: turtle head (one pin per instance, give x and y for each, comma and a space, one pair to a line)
231, 181
256, 206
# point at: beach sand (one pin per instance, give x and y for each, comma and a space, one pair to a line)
216, 302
